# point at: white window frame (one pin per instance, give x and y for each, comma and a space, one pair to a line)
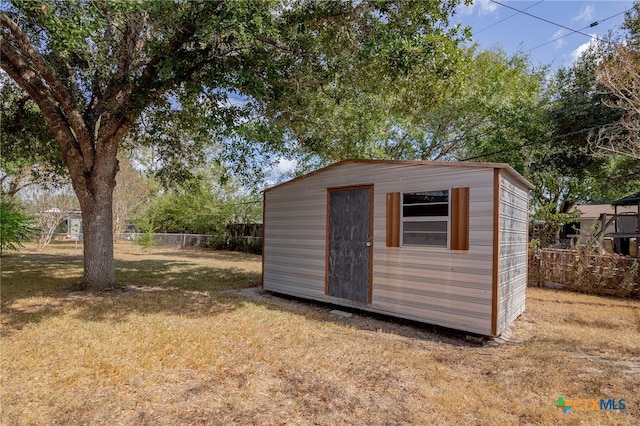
404, 219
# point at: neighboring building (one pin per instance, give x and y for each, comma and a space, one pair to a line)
589, 222
626, 237
619, 220
443, 243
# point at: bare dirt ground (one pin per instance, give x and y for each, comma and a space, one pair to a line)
193, 341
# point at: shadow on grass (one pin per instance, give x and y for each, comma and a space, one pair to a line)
37, 287
229, 256
29, 275
364, 320
184, 275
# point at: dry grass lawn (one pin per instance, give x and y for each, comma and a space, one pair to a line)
183, 346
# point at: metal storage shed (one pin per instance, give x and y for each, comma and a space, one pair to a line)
443, 243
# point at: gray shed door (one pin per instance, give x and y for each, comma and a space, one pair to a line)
349, 244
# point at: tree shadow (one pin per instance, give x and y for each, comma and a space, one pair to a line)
36, 288
195, 253
366, 321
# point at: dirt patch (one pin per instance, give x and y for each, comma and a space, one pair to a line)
631, 367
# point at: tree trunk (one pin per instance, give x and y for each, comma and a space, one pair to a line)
97, 228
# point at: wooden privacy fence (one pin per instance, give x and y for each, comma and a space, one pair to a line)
584, 271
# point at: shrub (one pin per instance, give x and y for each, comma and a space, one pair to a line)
15, 226
247, 245
147, 237
242, 244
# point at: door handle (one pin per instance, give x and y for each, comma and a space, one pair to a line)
369, 243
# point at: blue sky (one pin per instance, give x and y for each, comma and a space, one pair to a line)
495, 25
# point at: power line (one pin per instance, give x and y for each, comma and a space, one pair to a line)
553, 138
591, 25
563, 36
564, 110
502, 20
546, 20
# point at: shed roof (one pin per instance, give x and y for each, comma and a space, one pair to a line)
631, 200
502, 166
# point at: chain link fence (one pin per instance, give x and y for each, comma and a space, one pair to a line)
237, 243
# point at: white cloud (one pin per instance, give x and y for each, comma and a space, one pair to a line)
586, 14
280, 172
577, 52
561, 41
483, 7
285, 166
575, 55
486, 7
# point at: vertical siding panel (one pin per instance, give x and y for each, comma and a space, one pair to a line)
294, 225
496, 261
514, 218
326, 241
372, 198
264, 208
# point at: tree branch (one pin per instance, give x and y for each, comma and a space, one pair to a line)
38, 68
19, 69
282, 48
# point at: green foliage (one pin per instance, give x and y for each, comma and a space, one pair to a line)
552, 222
566, 168
245, 245
184, 211
543, 130
632, 24
241, 83
325, 74
29, 153
15, 226
395, 61
499, 108
486, 101
244, 82
202, 205
573, 167
147, 237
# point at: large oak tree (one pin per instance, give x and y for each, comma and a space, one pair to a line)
95, 68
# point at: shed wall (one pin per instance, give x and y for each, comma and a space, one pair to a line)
513, 246
433, 285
